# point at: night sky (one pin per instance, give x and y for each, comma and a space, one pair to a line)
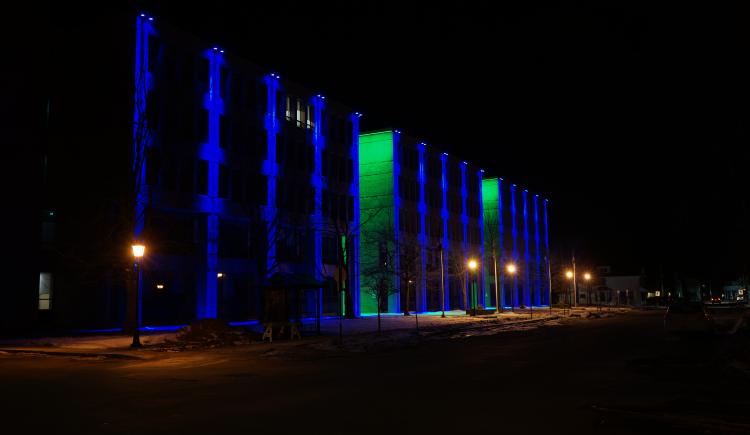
631, 119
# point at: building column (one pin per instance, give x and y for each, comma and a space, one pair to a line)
547, 254
354, 192
514, 232
395, 299
538, 257
501, 245
421, 288
528, 289
270, 169
317, 222
464, 245
482, 285
445, 246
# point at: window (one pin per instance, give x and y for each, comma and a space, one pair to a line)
153, 52
186, 176
223, 181
224, 131
202, 177
202, 130
45, 290
298, 111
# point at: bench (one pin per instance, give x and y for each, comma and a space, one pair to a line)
293, 330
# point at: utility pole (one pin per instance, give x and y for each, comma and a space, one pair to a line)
442, 283
497, 291
575, 287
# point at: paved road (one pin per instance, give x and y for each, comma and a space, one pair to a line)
611, 375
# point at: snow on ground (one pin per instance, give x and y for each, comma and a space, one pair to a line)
358, 332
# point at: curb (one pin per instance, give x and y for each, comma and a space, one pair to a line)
68, 353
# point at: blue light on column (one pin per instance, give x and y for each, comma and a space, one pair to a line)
396, 298
483, 284
464, 227
538, 258
444, 217
528, 289
354, 190
514, 233
318, 143
501, 247
422, 208
546, 250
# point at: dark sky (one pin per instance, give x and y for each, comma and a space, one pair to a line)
630, 118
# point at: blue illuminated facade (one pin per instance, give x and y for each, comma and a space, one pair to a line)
243, 176
526, 245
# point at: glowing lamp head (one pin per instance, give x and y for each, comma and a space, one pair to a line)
569, 274
160, 286
473, 264
220, 275
138, 251
511, 268
587, 276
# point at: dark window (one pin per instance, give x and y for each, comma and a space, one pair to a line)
329, 249
204, 66
223, 77
186, 176
223, 181
236, 185
153, 166
202, 127
225, 131
202, 177
233, 238
153, 52
169, 176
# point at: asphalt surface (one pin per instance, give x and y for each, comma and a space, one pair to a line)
610, 375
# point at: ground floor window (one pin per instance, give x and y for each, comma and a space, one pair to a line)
45, 290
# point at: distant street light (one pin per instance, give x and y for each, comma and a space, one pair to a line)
138, 253
511, 270
587, 278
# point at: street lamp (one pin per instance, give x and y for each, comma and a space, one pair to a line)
138, 252
587, 278
510, 270
473, 265
571, 276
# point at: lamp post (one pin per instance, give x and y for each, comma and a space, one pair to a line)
442, 282
511, 270
416, 310
587, 278
571, 276
473, 265
138, 251
497, 291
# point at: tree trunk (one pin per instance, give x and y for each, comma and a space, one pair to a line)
406, 301
378, 315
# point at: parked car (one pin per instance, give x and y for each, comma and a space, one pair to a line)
688, 318
716, 299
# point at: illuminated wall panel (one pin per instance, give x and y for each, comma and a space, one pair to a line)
377, 184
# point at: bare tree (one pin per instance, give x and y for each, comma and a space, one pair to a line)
458, 269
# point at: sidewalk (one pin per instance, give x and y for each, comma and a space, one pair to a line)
394, 326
